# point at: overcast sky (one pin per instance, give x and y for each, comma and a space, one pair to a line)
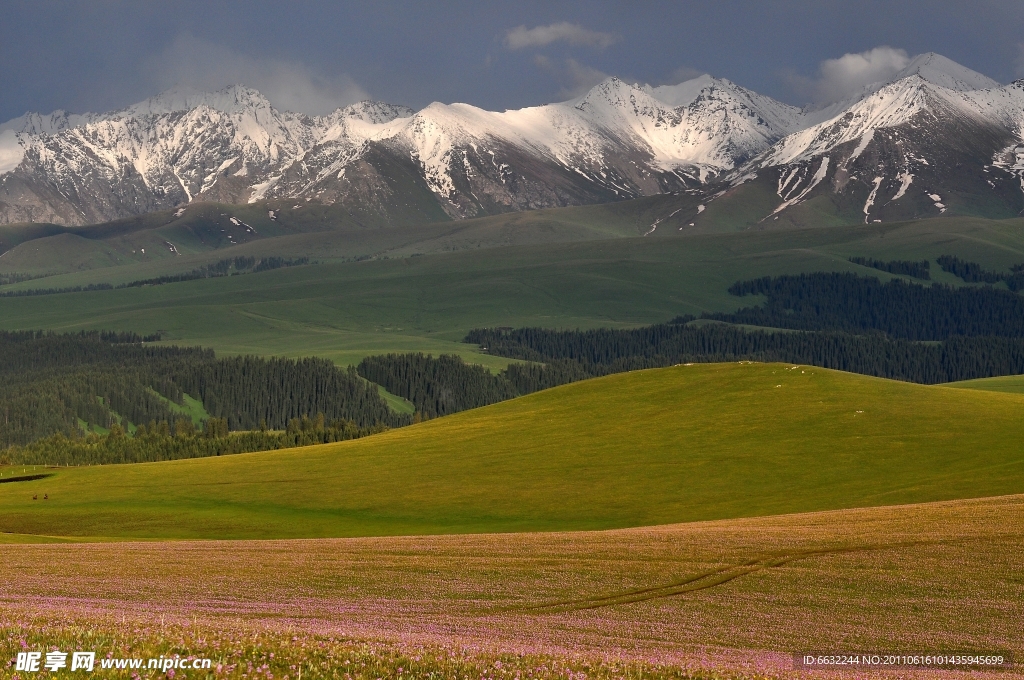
98, 55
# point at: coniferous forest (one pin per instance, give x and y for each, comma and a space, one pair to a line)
446, 384
856, 304
55, 384
900, 330
604, 351
919, 270
164, 441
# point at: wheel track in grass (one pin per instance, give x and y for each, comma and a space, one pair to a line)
706, 579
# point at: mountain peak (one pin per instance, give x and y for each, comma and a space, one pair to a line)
610, 89
685, 92
36, 123
231, 99
939, 70
373, 111
924, 68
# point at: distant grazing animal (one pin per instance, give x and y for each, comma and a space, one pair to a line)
46, 496
35, 497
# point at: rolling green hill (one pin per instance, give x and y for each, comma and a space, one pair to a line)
650, 447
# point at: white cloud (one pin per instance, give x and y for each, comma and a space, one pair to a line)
573, 77
574, 34
289, 85
850, 74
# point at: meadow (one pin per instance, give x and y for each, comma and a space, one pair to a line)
403, 300
723, 599
1014, 384
203, 230
697, 521
689, 443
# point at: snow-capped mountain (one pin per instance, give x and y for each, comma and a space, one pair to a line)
909, 148
617, 141
937, 135
934, 68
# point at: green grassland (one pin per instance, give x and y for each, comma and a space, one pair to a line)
190, 408
651, 447
1013, 384
346, 310
194, 228
141, 247
395, 402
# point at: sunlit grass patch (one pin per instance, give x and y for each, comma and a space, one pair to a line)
688, 443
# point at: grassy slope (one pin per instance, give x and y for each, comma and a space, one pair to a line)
398, 404
138, 248
191, 408
205, 225
346, 310
652, 447
1013, 384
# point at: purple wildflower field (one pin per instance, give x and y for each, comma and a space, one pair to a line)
730, 599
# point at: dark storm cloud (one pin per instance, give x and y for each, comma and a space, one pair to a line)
102, 54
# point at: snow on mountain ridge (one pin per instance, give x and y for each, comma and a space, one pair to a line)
37, 123
231, 99
13, 133
893, 104
683, 93
618, 140
912, 131
931, 67
939, 70
719, 127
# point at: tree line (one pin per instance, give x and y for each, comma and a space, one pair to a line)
163, 441
918, 270
226, 267
13, 277
446, 384
972, 272
604, 351
248, 391
443, 385
56, 383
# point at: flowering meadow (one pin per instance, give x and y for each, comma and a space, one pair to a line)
730, 599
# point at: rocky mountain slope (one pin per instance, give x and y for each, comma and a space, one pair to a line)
911, 148
938, 137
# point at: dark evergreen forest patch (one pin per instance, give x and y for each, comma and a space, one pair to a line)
51, 382
919, 270
446, 384
857, 304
